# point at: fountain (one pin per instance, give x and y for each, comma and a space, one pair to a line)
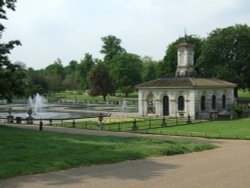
37, 103
38, 108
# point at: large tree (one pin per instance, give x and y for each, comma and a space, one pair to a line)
169, 64
70, 82
149, 69
83, 70
56, 68
126, 72
37, 82
71, 68
226, 55
111, 47
11, 75
55, 75
101, 81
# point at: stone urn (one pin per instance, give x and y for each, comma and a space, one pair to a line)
29, 118
100, 119
10, 117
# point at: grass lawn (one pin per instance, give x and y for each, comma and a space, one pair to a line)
72, 95
24, 152
234, 129
244, 95
80, 96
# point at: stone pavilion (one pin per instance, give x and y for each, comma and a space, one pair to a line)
185, 94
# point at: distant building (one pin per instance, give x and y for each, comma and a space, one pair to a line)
185, 94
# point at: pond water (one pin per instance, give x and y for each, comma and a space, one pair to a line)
50, 115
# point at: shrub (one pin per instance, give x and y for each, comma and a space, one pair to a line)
238, 109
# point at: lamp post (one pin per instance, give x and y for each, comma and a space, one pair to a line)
189, 119
164, 124
100, 119
40, 125
135, 126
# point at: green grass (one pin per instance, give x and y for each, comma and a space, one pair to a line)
75, 95
231, 129
244, 95
80, 96
234, 129
26, 152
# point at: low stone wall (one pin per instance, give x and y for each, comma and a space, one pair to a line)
233, 116
20, 101
3, 101
228, 116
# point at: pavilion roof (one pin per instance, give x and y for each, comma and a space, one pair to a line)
186, 82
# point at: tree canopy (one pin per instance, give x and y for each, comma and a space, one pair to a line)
149, 69
12, 76
101, 81
111, 47
126, 71
225, 55
83, 71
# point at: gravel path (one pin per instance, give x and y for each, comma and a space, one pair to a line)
227, 166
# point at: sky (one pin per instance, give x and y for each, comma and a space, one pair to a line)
67, 29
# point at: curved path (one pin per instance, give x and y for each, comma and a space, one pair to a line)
227, 166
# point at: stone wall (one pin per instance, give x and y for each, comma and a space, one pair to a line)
192, 98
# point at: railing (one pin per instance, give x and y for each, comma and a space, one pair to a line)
134, 125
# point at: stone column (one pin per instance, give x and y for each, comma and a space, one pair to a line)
187, 107
144, 110
194, 99
140, 103
172, 106
157, 107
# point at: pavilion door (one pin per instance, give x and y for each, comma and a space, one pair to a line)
165, 106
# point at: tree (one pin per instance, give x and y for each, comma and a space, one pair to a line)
126, 72
101, 81
83, 71
37, 82
70, 82
71, 68
169, 63
225, 55
111, 48
149, 69
54, 82
55, 75
55, 69
12, 77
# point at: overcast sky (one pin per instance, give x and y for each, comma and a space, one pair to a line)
67, 29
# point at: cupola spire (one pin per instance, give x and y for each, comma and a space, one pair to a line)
185, 57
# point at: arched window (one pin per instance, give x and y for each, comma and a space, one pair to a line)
203, 103
214, 102
223, 101
181, 104
150, 101
165, 106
